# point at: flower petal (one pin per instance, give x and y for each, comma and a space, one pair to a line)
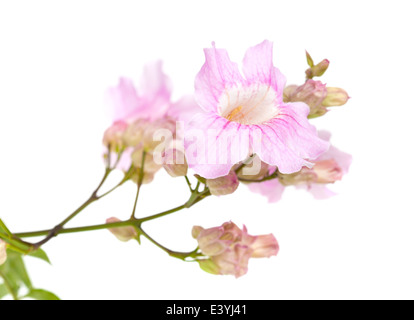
217, 74
318, 190
272, 189
184, 109
289, 140
343, 159
124, 100
154, 82
258, 68
156, 89
214, 144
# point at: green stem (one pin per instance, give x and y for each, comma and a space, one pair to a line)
4, 228
132, 222
188, 183
171, 253
94, 197
139, 184
162, 214
196, 197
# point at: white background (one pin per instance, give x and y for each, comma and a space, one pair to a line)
57, 58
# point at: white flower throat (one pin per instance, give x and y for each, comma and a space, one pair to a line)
252, 105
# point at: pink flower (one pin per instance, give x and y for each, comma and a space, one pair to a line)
123, 234
246, 115
153, 100
3, 252
228, 248
139, 114
328, 168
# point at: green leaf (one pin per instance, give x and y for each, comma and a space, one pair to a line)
39, 294
11, 283
19, 269
40, 254
3, 291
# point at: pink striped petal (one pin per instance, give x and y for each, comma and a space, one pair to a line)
217, 74
258, 68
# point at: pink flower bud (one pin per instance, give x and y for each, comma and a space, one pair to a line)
265, 246
148, 176
312, 93
134, 133
251, 172
327, 171
3, 252
304, 176
174, 163
113, 137
318, 70
149, 164
157, 132
229, 248
122, 233
223, 185
335, 97
288, 92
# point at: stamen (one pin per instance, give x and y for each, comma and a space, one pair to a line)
235, 113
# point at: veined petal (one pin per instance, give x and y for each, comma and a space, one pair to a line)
258, 68
289, 140
213, 145
217, 74
124, 100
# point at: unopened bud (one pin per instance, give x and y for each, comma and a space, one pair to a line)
317, 70
228, 248
113, 137
288, 92
174, 163
327, 171
149, 164
223, 185
304, 176
147, 178
312, 93
158, 132
134, 133
122, 233
3, 252
254, 171
265, 246
335, 97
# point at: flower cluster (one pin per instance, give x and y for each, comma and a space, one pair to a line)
247, 128
242, 127
141, 121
